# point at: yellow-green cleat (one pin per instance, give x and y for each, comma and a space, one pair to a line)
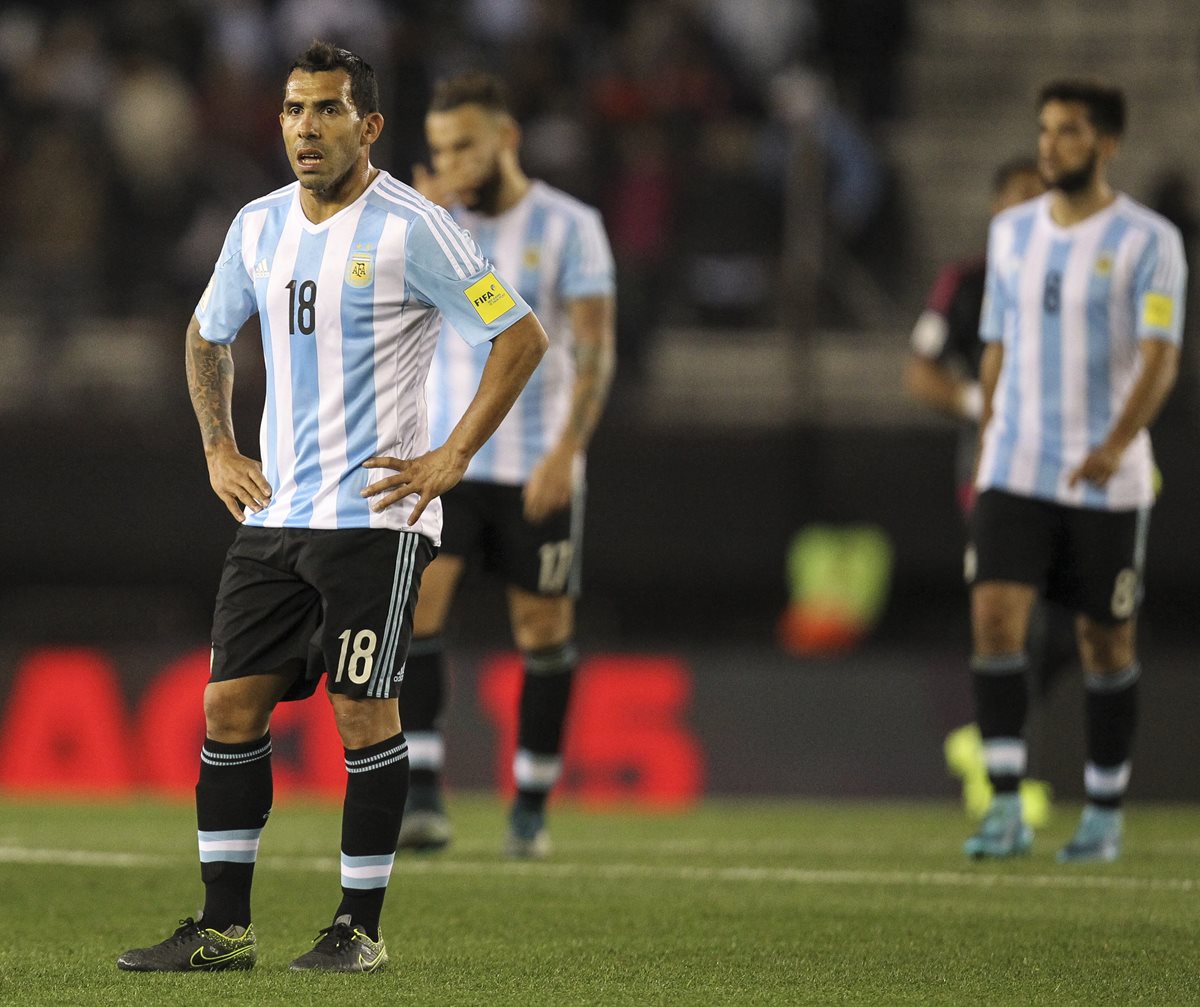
963, 749
342, 947
195, 948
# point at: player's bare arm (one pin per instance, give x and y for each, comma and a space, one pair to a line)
989, 374
236, 479
550, 484
936, 386
1160, 367
514, 356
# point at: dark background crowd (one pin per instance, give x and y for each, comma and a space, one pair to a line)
136, 129
779, 180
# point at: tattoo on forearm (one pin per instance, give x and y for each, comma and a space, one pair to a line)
593, 376
210, 383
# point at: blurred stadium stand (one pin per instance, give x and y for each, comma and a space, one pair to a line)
781, 180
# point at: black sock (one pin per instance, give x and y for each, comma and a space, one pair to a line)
376, 786
1111, 716
233, 800
545, 695
422, 695
1001, 702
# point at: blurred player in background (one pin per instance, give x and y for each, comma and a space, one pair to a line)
943, 373
1083, 310
943, 367
519, 507
349, 272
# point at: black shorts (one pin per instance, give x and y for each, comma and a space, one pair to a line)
302, 602
487, 520
1089, 560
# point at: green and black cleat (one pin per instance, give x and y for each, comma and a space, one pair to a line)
342, 947
195, 948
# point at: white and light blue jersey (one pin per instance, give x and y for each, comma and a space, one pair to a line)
1071, 306
350, 310
553, 248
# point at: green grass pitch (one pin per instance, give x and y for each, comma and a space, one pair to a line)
765, 902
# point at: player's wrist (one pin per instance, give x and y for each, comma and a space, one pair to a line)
220, 446
1114, 445
565, 451
455, 455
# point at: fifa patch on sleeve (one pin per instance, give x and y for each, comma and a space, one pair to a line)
1157, 311
489, 299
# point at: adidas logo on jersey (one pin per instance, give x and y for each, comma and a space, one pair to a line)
262, 270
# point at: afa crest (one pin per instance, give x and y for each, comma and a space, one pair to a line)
360, 270
1104, 265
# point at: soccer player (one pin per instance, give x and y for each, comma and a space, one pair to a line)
943, 366
942, 373
520, 504
350, 273
1082, 318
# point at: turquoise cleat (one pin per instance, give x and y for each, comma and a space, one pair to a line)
1002, 833
1097, 840
527, 838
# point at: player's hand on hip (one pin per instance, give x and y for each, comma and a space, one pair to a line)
428, 476
238, 481
1098, 467
549, 487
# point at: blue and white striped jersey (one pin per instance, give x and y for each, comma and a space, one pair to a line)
554, 249
350, 311
1071, 305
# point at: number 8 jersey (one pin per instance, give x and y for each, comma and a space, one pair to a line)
1071, 305
350, 311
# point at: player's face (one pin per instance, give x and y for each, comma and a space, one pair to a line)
1021, 186
465, 144
322, 130
1069, 148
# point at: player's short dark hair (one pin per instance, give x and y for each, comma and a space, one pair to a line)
321, 57
1022, 164
1105, 104
471, 88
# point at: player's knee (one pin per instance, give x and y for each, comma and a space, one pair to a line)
230, 716
363, 722
1105, 649
999, 619
428, 620
542, 626
438, 585
996, 631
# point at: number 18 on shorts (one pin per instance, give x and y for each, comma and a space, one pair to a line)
302, 603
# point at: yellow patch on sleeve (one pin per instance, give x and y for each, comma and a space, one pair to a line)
489, 298
1157, 311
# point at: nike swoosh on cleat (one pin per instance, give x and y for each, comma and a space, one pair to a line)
206, 960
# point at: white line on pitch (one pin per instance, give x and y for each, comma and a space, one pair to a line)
795, 875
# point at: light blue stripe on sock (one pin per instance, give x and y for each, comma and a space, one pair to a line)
367, 872
238, 846
1001, 664
1115, 682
